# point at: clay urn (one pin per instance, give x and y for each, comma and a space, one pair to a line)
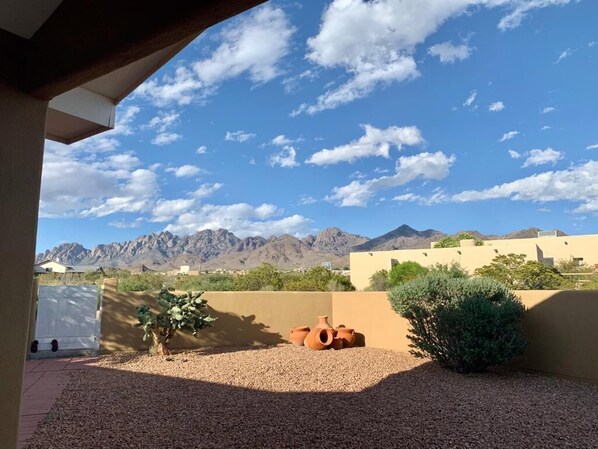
298, 334
337, 343
347, 335
319, 339
323, 323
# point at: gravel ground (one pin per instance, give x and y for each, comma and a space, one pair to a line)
289, 397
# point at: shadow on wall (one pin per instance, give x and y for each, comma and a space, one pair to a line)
422, 407
561, 331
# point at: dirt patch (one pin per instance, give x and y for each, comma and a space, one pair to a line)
289, 397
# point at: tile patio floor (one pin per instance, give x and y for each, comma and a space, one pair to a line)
43, 382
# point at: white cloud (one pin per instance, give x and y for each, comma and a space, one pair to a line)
121, 161
374, 41
521, 9
508, 136
438, 196
592, 44
281, 140
202, 149
163, 121
565, 54
285, 158
306, 200
548, 110
375, 142
496, 106
514, 154
541, 157
592, 147
449, 53
242, 219
166, 138
545, 127
471, 99
238, 136
424, 166
577, 184
251, 45
123, 224
206, 190
184, 171
167, 210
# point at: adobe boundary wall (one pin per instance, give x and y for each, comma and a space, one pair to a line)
561, 327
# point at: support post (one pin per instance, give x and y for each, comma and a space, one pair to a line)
22, 125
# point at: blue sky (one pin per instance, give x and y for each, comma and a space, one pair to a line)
297, 116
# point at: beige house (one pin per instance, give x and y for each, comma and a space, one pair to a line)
51, 266
548, 250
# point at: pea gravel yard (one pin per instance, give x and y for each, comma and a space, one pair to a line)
291, 397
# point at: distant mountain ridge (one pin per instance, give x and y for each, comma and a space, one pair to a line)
211, 249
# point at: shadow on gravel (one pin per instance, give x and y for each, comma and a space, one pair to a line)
425, 407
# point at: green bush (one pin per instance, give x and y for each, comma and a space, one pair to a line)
454, 270
455, 241
264, 277
463, 324
318, 279
405, 272
205, 282
379, 281
148, 282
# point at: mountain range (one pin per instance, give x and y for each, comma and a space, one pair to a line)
212, 249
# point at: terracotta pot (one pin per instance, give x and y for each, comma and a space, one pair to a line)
347, 335
319, 339
298, 334
323, 323
337, 343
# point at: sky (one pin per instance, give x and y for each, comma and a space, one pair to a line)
364, 115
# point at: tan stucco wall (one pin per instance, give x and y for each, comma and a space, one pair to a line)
365, 264
22, 123
244, 318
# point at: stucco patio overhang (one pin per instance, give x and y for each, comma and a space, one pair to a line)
65, 66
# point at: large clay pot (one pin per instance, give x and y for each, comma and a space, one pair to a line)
298, 334
347, 335
319, 339
323, 323
337, 343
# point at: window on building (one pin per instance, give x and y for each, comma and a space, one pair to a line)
548, 261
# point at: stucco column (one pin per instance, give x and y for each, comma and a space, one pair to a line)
22, 124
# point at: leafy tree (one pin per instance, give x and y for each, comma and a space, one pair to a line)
405, 272
454, 270
178, 313
264, 277
379, 281
517, 273
455, 241
463, 324
205, 282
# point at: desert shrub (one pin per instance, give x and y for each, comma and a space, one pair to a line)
178, 313
572, 265
205, 282
318, 279
463, 324
454, 270
141, 282
379, 281
515, 272
455, 241
405, 272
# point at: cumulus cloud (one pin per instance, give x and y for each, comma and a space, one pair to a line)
577, 184
514, 154
202, 149
238, 136
306, 200
548, 110
281, 140
449, 53
252, 45
545, 127
242, 219
471, 99
163, 121
496, 106
421, 166
285, 158
162, 139
541, 157
374, 41
375, 142
508, 136
592, 147
206, 190
184, 171
123, 224
166, 210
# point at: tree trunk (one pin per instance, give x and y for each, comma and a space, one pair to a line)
160, 346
